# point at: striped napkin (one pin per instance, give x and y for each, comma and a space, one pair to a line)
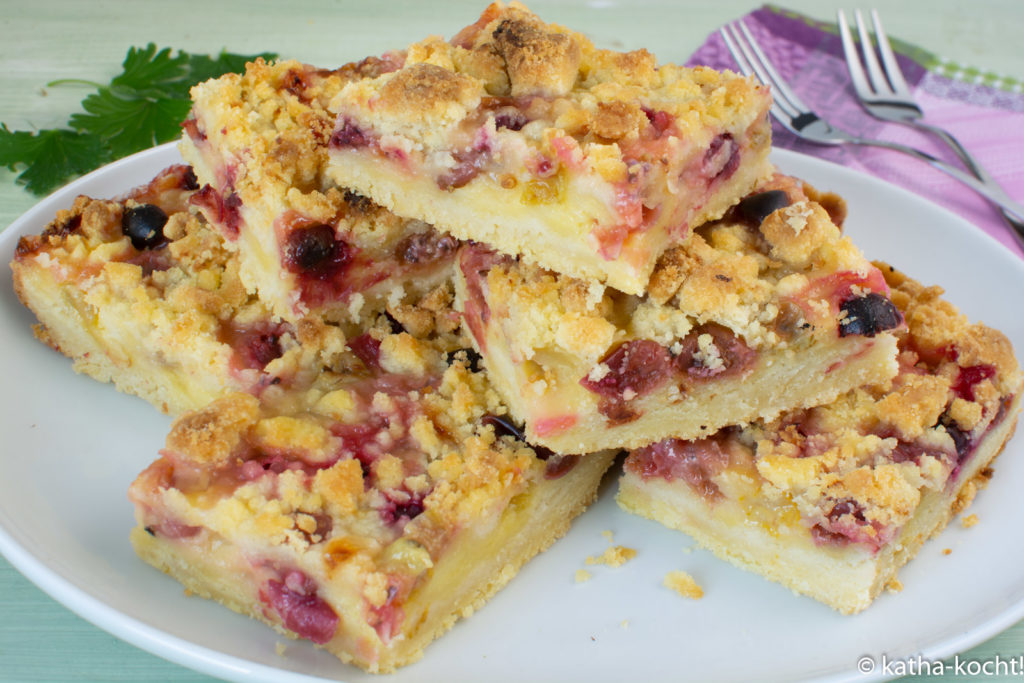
983, 110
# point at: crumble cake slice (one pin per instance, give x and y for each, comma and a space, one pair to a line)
258, 143
831, 502
767, 309
365, 514
524, 136
142, 292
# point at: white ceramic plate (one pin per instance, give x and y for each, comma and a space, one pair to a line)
72, 446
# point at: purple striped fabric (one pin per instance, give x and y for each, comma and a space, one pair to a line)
987, 120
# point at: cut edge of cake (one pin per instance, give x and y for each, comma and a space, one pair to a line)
832, 502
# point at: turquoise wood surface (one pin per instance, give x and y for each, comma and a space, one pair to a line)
42, 41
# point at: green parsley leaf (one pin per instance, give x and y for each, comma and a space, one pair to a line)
50, 157
131, 120
142, 106
147, 69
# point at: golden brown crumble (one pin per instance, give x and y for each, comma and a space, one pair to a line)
726, 273
594, 94
538, 61
613, 556
843, 459
263, 143
424, 90
212, 434
463, 472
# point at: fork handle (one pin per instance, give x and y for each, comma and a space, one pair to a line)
954, 145
976, 168
993, 193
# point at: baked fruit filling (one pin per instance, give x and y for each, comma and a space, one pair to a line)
833, 500
365, 514
767, 309
379, 422
258, 142
524, 136
141, 292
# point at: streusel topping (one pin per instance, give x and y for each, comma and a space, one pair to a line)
377, 469
858, 467
768, 278
604, 100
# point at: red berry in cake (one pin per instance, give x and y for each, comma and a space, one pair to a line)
722, 158
634, 368
425, 247
349, 134
726, 355
467, 166
301, 609
366, 349
969, 377
315, 251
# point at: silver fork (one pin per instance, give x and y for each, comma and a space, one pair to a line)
884, 93
799, 119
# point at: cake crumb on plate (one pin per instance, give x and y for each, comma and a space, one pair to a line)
614, 556
684, 584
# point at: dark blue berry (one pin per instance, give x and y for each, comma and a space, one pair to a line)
868, 315
756, 207
396, 327
189, 180
961, 439
510, 118
144, 226
503, 426
425, 247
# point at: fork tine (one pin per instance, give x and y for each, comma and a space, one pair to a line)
785, 97
749, 65
878, 80
892, 67
788, 120
857, 75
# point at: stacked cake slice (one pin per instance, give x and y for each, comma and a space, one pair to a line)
407, 312
360, 492
141, 292
365, 514
832, 501
524, 136
258, 145
767, 309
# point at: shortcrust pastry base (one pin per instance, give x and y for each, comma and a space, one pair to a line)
781, 380
848, 578
109, 344
474, 567
485, 212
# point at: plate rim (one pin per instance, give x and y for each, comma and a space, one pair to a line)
214, 662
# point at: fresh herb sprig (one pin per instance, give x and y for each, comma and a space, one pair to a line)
141, 107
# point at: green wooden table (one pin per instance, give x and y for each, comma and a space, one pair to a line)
51, 39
